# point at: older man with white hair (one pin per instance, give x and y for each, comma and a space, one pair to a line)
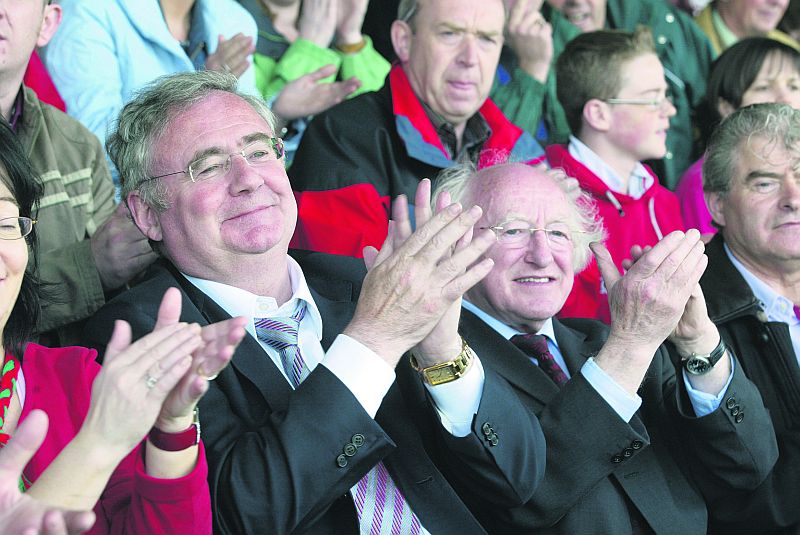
632, 447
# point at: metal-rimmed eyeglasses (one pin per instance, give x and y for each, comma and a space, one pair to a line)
517, 234
652, 103
211, 164
15, 228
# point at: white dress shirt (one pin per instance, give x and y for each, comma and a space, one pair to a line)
774, 305
635, 185
623, 403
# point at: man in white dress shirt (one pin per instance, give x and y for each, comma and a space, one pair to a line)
309, 430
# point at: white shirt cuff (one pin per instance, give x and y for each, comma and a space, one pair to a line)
361, 370
703, 402
623, 403
457, 402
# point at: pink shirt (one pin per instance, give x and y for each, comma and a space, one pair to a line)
693, 204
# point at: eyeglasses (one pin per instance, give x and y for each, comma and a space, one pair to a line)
517, 235
257, 153
14, 228
652, 103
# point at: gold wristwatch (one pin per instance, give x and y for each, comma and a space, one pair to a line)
445, 372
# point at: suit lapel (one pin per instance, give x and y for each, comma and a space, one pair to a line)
504, 358
573, 348
250, 359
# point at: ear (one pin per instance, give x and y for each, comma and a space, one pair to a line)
144, 216
597, 115
50, 23
724, 107
401, 40
715, 203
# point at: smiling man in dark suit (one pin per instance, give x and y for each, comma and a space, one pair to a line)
631, 448
305, 431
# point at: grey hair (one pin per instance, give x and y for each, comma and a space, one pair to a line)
456, 181
771, 122
145, 118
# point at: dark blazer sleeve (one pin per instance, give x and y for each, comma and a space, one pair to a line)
735, 444
502, 459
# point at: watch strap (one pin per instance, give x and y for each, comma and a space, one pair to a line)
177, 441
700, 364
445, 372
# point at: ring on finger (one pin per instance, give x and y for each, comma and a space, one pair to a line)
202, 373
150, 381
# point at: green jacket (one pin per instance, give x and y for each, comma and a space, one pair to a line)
524, 99
686, 55
78, 197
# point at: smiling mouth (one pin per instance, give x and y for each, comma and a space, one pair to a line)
534, 280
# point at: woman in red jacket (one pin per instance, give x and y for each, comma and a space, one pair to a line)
94, 455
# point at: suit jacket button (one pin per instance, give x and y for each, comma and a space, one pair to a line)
627, 452
616, 459
350, 449
487, 429
739, 417
357, 440
637, 444
341, 461
736, 410
730, 402
493, 440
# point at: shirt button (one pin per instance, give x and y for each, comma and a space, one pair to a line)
670, 18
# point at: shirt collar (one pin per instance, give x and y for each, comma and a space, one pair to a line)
776, 306
238, 302
476, 132
504, 330
726, 36
16, 111
634, 186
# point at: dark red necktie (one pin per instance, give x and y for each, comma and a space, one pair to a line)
535, 345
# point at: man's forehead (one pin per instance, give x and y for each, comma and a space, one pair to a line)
488, 17
758, 152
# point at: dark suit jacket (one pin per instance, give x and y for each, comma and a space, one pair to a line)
602, 472
272, 451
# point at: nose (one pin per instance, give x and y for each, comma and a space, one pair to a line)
668, 108
539, 252
243, 178
468, 53
791, 193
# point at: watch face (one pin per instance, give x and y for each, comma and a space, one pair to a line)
697, 366
440, 375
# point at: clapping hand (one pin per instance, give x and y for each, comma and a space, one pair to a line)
412, 282
231, 55
21, 514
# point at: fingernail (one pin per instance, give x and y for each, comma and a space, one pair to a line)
475, 211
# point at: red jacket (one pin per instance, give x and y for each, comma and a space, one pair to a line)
628, 221
359, 155
59, 381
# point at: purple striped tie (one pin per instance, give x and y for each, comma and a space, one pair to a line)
797, 311
381, 507
281, 335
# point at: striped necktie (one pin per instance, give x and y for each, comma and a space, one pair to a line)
281, 335
797, 311
381, 507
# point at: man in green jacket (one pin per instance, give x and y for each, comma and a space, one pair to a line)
682, 48
87, 246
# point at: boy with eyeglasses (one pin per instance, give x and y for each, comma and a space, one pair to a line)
612, 87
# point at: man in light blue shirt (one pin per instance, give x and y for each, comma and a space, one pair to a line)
752, 286
623, 430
